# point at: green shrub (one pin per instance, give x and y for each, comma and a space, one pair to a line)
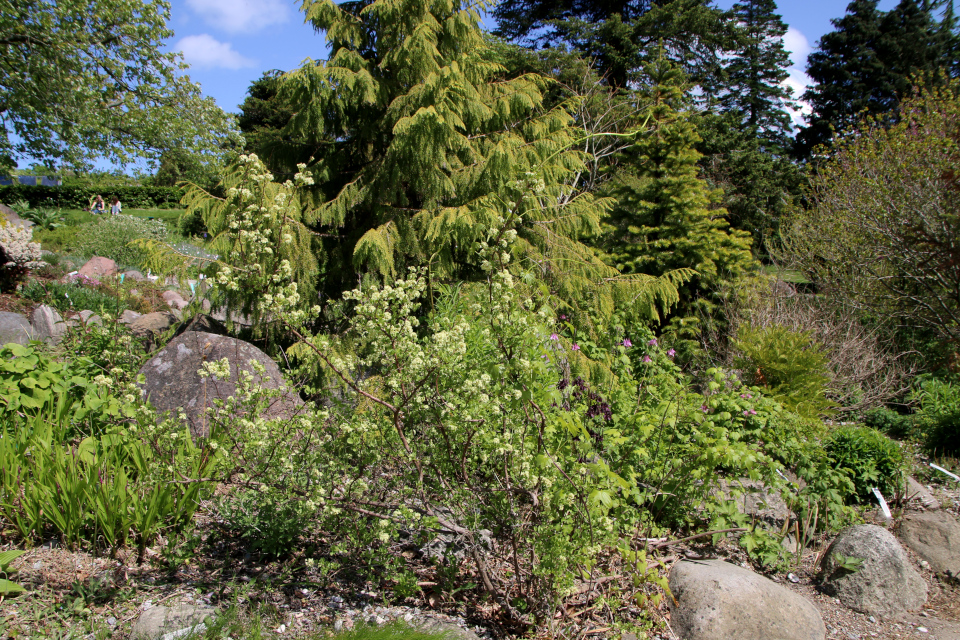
890, 422
111, 236
63, 239
938, 418
788, 365
267, 524
871, 458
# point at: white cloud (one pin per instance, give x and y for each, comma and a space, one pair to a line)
797, 44
798, 82
206, 52
241, 16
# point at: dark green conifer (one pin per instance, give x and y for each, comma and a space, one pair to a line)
871, 61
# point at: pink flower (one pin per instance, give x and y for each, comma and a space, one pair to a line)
555, 337
652, 342
704, 408
746, 395
750, 412
627, 343
575, 346
671, 353
647, 359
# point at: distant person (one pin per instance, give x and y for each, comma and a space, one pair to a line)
115, 207
97, 206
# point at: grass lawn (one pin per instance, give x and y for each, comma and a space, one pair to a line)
793, 276
78, 217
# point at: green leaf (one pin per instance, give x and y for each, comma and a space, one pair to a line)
8, 588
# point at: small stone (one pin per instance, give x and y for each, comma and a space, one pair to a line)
793, 578
97, 268
112, 621
407, 617
923, 630
338, 625
89, 318
282, 628
872, 619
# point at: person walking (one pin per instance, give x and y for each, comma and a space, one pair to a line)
115, 206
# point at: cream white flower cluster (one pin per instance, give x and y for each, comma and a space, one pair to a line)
16, 246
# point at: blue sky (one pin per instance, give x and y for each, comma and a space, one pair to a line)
230, 43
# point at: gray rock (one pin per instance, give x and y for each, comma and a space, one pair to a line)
129, 317
173, 382
716, 600
174, 299
48, 325
885, 584
13, 218
88, 317
99, 268
133, 275
204, 323
919, 494
451, 631
14, 328
754, 498
935, 537
165, 622
152, 324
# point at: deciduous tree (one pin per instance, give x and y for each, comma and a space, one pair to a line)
86, 79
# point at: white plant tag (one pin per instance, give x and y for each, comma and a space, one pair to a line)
941, 469
883, 504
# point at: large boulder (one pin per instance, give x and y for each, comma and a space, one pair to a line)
884, 584
48, 325
14, 328
716, 600
935, 537
173, 381
98, 268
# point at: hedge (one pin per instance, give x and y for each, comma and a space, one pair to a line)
80, 197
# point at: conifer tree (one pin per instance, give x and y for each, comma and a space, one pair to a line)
755, 73
663, 219
423, 146
871, 61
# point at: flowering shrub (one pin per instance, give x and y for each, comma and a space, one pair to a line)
17, 255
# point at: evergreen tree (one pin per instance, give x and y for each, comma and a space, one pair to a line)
620, 35
759, 187
870, 61
262, 119
755, 74
423, 146
664, 218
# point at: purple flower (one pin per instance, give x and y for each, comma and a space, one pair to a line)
575, 346
750, 412
647, 359
563, 317
555, 337
652, 342
704, 408
746, 395
627, 343
671, 353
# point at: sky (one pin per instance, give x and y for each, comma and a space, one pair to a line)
230, 43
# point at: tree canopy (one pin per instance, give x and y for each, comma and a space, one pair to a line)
86, 79
871, 60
